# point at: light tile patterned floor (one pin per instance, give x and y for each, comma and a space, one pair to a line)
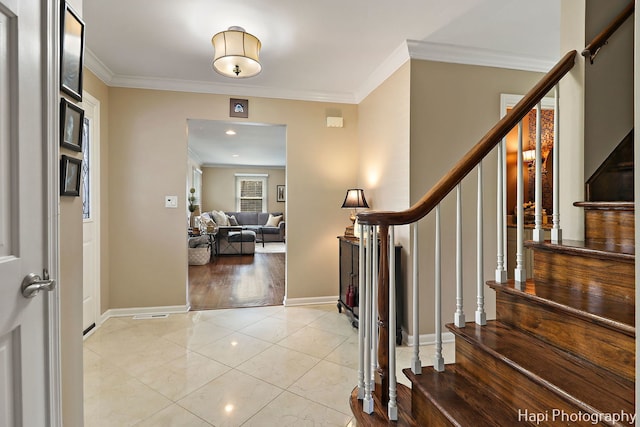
266, 366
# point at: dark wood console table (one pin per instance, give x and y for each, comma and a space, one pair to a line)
349, 275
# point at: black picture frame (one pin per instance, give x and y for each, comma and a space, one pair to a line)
71, 52
239, 108
70, 169
71, 121
280, 193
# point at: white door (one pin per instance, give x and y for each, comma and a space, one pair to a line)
90, 210
25, 388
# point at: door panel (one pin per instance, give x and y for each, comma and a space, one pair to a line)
24, 351
9, 387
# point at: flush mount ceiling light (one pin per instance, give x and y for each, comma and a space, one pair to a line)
236, 53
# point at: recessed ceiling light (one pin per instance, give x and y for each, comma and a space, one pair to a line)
230, 132
235, 155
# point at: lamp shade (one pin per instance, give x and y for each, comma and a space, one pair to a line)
529, 156
355, 199
236, 53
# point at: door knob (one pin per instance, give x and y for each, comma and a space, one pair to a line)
32, 284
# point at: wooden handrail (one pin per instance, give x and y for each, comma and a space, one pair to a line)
447, 183
601, 39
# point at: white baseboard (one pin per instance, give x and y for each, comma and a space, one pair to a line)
426, 339
135, 311
290, 302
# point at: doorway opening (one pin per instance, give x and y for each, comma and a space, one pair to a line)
236, 215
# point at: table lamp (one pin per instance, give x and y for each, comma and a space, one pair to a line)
353, 200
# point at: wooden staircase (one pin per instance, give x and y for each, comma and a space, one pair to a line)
561, 351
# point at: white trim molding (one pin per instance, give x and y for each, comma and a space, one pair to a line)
409, 49
291, 302
137, 311
442, 52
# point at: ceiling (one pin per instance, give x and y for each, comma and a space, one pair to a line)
252, 144
332, 50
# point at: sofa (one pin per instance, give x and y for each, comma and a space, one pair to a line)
258, 222
238, 232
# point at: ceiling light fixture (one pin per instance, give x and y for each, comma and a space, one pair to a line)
236, 53
230, 132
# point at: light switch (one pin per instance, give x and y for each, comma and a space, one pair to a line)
170, 201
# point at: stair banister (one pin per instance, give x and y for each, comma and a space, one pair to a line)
601, 39
384, 220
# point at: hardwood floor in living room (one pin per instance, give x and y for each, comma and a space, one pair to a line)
238, 281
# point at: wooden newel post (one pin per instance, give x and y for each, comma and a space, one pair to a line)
382, 373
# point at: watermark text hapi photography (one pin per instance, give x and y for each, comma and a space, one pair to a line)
561, 416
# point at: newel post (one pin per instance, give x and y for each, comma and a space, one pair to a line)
382, 373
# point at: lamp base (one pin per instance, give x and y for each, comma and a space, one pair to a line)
348, 232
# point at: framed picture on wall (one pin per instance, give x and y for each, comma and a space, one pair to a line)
71, 120
70, 169
71, 52
239, 108
280, 193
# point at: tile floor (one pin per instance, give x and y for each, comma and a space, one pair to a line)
266, 366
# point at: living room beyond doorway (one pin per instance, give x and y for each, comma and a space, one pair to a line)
237, 176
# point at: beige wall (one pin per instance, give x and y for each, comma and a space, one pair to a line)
148, 148
452, 107
608, 85
219, 186
384, 125
572, 121
427, 115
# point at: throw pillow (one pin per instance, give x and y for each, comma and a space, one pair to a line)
220, 218
232, 220
273, 221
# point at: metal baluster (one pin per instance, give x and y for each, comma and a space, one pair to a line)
501, 265
556, 231
361, 311
520, 272
373, 245
481, 315
392, 408
438, 360
367, 402
416, 364
459, 318
538, 232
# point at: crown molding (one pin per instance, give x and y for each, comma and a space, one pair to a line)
454, 54
97, 67
410, 49
389, 66
111, 79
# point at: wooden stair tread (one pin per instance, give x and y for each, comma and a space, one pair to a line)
379, 417
617, 315
586, 249
621, 206
461, 401
572, 378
